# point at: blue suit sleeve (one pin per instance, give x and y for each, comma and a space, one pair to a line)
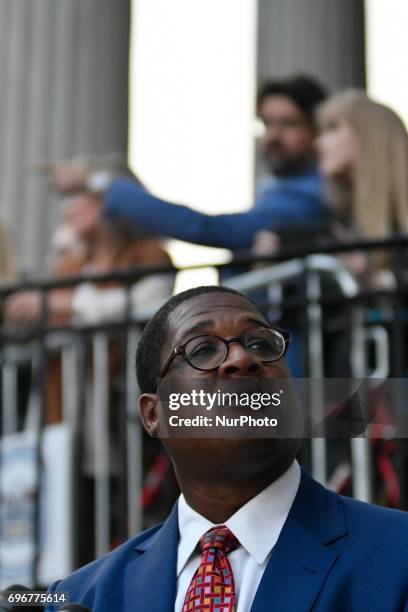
127, 200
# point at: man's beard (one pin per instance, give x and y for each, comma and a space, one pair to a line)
288, 166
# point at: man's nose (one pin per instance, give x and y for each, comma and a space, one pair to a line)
240, 362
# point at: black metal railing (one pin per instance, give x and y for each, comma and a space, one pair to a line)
108, 464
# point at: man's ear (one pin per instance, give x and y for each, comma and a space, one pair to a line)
148, 407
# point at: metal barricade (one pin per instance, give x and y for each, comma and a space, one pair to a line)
84, 353
309, 269
85, 377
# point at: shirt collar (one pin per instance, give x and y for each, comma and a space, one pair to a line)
268, 511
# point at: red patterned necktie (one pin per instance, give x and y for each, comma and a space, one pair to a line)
212, 587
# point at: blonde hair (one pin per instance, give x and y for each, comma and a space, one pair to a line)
375, 201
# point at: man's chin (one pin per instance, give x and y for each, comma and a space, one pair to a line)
282, 169
281, 166
226, 454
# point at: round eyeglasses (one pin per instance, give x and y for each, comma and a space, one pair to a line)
209, 352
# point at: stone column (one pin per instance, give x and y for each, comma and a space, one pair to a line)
64, 92
321, 37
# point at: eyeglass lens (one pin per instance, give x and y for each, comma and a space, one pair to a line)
208, 352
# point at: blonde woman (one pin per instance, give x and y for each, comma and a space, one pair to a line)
363, 156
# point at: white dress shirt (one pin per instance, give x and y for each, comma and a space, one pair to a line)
256, 525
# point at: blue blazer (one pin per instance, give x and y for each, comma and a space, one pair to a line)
334, 554
291, 200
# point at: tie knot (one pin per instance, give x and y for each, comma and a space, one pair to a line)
219, 537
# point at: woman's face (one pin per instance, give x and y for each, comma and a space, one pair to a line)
83, 213
337, 149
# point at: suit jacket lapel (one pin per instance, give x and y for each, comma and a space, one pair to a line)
299, 564
301, 560
151, 578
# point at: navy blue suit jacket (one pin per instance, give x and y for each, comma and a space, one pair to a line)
334, 554
291, 200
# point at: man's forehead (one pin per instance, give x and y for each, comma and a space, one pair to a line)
216, 306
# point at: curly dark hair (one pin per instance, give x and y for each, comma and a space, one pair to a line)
305, 91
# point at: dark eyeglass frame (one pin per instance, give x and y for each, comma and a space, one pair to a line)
180, 349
